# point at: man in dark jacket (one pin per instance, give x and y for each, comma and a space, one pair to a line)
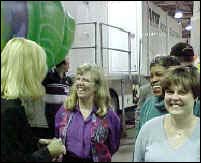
57, 85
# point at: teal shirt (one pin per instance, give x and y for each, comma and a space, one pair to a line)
153, 107
152, 144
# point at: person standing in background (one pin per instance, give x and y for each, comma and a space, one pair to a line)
184, 53
57, 85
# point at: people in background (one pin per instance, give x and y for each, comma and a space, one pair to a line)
86, 123
23, 67
145, 92
184, 52
154, 105
173, 137
57, 85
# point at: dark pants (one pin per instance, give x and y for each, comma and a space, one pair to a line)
40, 132
50, 112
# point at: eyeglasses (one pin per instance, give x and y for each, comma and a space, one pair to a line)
85, 80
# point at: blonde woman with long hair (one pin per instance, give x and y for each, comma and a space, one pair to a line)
86, 123
23, 67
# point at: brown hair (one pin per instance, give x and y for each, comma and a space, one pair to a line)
187, 76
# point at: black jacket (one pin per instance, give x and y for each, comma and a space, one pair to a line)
17, 141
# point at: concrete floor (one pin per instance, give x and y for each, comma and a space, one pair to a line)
125, 152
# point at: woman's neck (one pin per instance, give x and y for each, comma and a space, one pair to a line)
182, 122
86, 104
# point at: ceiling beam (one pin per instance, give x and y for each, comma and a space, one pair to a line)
171, 6
166, 4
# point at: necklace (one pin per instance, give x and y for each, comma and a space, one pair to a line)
179, 132
185, 132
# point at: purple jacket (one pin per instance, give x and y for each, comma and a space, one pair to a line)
80, 133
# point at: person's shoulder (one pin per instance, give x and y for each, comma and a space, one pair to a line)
112, 115
149, 100
50, 77
62, 113
63, 110
152, 129
154, 122
111, 112
50, 72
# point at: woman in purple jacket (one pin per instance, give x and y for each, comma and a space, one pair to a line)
86, 123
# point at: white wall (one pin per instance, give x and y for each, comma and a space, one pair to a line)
195, 32
132, 16
126, 15
84, 12
158, 36
174, 33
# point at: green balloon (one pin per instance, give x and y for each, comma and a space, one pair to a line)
47, 24
5, 28
51, 28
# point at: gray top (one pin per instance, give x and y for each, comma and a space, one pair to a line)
152, 144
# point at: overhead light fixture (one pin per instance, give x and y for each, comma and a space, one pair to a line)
178, 14
188, 27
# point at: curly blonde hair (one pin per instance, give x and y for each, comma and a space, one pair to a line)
23, 67
102, 95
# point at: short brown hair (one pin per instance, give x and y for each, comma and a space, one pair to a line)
187, 76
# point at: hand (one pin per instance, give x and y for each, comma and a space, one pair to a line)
55, 146
45, 141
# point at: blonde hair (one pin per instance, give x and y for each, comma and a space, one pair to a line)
23, 67
102, 95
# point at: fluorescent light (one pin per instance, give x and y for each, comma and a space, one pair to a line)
188, 27
178, 14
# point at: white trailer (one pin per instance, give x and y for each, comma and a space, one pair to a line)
122, 37
195, 32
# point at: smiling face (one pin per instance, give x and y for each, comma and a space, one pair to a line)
85, 85
157, 74
179, 101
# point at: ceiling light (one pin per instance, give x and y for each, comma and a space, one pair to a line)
178, 14
188, 27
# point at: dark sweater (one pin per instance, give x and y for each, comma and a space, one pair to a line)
17, 141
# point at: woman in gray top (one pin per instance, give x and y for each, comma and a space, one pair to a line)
173, 137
